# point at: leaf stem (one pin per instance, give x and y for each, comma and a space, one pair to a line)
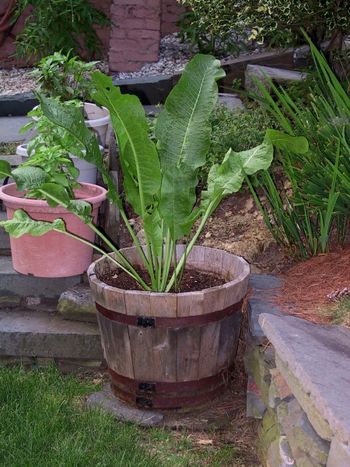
182, 262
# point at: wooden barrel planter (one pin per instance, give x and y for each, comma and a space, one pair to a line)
166, 350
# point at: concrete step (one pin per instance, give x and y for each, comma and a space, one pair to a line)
13, 284
25, 333
10, 127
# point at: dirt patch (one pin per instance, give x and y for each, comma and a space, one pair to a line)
237, 226
312, 286
191, 281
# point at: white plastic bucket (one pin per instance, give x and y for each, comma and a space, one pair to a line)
98, 121
88, 172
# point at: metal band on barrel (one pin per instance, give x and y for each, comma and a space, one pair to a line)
166, 322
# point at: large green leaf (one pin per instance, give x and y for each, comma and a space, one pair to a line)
183, 134
285, 142
82, 209
228, 177
5, 169
138, 154
153, 229
29, 177
182, 128
55, 194
22, 224
71, 119
178, 197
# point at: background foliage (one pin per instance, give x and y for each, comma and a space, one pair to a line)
236, 130
277, 22
58, 25
209, 25
305, 198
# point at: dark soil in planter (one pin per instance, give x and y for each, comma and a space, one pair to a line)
192, 280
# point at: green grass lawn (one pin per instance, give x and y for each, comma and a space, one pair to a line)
44, 422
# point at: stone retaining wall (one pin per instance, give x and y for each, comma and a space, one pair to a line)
298, 386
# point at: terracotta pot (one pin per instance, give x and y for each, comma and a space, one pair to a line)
53, 254
166, 350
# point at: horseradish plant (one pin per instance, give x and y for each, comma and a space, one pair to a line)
160, 178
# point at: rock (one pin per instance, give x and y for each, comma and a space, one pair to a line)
279, 454
255, 406
308, 449
302, 56
76, 304
285, 452
106, 401
258, 362
269, 432
231, 101
339, 454
315, 362
278, 390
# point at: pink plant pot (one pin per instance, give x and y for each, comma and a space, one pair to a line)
54, 254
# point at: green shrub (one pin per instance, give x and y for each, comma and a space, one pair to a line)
209, 25
279, 22
276, 22
236, 130
58, 25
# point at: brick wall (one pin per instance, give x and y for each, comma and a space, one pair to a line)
139, 26
135, 39
171, 10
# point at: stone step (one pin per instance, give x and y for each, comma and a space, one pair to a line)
264, 73
14, 284
314, 360
25, 333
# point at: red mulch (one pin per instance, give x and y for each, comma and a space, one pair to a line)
307, 284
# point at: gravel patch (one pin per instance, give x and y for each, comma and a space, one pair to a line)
16, 80
173, 58
174, 55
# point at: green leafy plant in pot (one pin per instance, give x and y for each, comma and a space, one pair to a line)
49, 136
49, 169
165, 347
67, 78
